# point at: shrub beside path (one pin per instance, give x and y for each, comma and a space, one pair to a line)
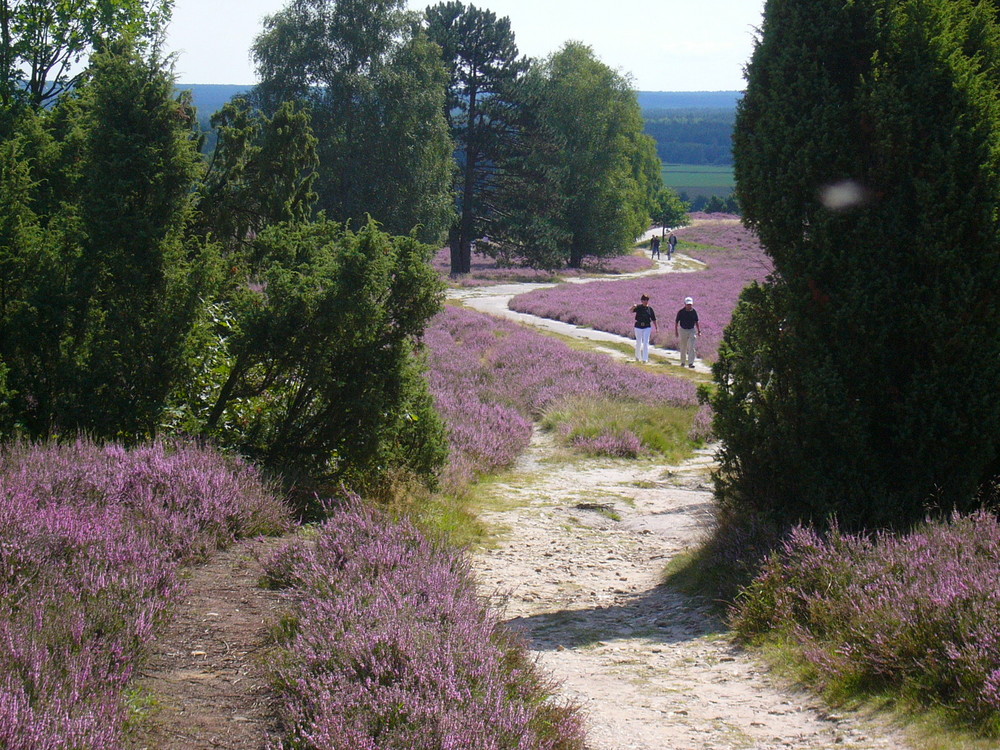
579, 572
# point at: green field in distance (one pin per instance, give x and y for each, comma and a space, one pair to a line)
699, 179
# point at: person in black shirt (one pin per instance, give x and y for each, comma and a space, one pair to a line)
654, 247
687, 329
644, 318
671, 245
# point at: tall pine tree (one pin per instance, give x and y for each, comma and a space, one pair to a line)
482, 58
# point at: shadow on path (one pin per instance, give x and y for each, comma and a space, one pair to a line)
661, 615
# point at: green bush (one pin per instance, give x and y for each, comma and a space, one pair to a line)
867, 159
312, 370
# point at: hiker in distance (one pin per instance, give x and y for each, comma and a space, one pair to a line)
687, 329
654, 247
644, 318
671, 245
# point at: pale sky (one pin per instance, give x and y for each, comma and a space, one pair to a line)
663, 45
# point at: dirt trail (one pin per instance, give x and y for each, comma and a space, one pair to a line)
579, 574
207, 675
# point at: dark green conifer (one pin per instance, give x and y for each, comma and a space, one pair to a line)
860, 381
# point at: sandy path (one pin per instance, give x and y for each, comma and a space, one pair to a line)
494, 299
653, 669
579, 571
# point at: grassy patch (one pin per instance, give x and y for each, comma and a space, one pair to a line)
695, 573
660, 428
699, 179
142, 705
602, 509
682, 263
458, 518
453, 518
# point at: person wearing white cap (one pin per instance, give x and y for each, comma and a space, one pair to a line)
687, 329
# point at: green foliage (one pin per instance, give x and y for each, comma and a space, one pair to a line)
376, 90
101, 282
261, 171
313, 369
598, 176
31, 281
120, 315
138, 276
482, 59
527, 228
866, 156
692, 136
44, 41
670, 210
594, 112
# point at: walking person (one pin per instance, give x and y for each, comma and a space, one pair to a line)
687, 329
671, 245
654, 247
644, 319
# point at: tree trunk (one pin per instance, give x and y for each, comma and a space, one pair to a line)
467, 226
575, 255
456, 250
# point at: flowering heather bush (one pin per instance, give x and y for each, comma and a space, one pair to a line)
701, 430
392, 650
699, 216
734, 259
491, 378
485, 271
623, 444
919, 612
90, 540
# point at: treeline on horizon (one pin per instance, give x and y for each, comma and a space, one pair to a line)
689, 127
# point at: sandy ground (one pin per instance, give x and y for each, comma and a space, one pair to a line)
579, 571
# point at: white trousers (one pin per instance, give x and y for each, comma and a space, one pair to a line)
642, 344
688, 339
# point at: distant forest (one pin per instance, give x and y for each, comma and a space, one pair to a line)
689, 127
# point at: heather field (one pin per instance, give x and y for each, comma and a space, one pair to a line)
485, 271
91, 540
391, 648
491, 379
733, 258
917, 613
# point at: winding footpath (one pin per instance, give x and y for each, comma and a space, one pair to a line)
578, 572
494, 300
